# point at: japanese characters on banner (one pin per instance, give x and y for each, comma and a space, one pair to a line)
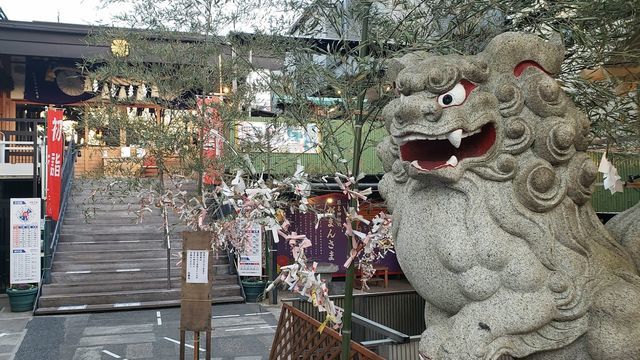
250, 261
213, 141
24, 238
327, 235
55, 146
197, 266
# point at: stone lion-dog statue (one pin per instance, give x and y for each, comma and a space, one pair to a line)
489, 184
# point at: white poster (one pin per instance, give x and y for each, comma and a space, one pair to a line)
250, 262
281, 139
25, 241
197, 266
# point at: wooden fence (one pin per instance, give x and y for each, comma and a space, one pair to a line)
297, 337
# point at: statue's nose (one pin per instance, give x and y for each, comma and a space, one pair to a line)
416, 108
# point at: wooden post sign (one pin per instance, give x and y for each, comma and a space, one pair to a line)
195, 302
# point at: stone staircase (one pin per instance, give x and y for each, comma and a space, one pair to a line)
105, 261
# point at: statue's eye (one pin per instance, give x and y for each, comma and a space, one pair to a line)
457, 95
453, 97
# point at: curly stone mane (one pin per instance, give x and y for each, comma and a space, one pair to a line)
494, 139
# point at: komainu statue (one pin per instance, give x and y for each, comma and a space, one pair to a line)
489, 184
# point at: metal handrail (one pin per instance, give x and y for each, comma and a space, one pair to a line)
51, 238
68, 169
371, 326
391, 334
167, 239
234, 271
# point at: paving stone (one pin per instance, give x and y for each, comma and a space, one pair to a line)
117, 339
88, 353
139, 351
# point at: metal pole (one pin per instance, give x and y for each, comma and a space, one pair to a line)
167, 239
35, 158
357, 143
47, 250
273, 252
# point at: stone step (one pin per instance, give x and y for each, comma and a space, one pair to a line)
63, 246
79, 210
113, 237
114, 256
106, 219
125, 296
89, 213
125, 265
119, 229
108, 297
107, 261
220, 283
125, 306
106, 238
76, 288
90, 207
125, 219
100, 203
78, 276
123, 227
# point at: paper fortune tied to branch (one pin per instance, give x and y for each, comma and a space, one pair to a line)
612, 181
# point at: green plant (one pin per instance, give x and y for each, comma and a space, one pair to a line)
23, 286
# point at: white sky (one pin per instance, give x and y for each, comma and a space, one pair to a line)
88, 12
66, 11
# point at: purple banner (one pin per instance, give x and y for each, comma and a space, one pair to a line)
329, 242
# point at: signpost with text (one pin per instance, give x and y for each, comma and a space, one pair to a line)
195, 302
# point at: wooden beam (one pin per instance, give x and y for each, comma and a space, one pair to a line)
625, 73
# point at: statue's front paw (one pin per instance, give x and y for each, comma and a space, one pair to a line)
453, 343
458, 350
440, 343
431, 339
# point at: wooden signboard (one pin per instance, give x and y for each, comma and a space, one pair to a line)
197, 277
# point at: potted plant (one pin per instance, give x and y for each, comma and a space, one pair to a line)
253, 288
22, 296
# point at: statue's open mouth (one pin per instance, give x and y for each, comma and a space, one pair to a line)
435, 152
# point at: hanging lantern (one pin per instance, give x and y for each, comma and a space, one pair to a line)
154, 91
122, 94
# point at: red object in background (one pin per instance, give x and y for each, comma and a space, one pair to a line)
212, 137
55, 146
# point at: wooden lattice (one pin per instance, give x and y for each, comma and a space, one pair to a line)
297, 337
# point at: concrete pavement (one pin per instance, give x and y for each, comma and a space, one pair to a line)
241, 332
12, 329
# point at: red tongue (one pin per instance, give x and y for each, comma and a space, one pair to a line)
433, 154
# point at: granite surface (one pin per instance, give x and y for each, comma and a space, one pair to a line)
489, 186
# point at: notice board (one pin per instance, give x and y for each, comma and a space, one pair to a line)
250, 260
24, 235
197, 279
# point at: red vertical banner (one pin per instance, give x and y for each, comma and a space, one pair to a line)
212, 137
55, 146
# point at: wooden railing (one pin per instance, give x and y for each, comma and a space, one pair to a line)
21, 150
297, 337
